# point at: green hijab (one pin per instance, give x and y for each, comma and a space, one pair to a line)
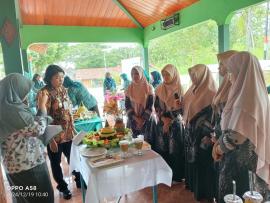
14, 114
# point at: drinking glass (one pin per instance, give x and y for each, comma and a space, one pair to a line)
138, 142
124, 148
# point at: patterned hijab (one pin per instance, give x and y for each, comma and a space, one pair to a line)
139, 91
166, 91
109, 82
247, 109
156, 78
14, 114
224, 88
201, 94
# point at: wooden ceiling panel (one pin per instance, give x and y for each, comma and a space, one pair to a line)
73, 13
97, 12
150, 11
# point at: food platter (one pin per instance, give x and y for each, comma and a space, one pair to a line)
106, 137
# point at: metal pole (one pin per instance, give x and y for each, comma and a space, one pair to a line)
266, 33
105, 63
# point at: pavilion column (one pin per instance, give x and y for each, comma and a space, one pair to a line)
223, 38
10, 37
223, 41
145, 60
26, 64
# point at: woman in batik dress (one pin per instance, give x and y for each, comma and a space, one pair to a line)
197, 117
219, 102
244, 143
139, 103
169, 131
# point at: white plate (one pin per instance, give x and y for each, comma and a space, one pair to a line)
93, 152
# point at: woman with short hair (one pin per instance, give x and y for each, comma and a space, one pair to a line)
58, 107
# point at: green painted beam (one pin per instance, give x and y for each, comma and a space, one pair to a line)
203, 10
25, 61
45, 34
11, 51
131, 17
223, 38
145, 59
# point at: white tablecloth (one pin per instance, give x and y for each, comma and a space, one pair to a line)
135, 173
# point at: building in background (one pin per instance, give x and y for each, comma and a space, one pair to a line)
94, 77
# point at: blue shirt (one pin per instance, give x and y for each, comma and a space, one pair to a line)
81, 94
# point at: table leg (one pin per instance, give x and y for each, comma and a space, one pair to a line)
155, 194
82, 187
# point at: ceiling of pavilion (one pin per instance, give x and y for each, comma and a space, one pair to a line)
100, 13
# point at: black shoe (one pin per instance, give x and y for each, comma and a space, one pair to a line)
62, 187
67, 194
78, 184
77, 178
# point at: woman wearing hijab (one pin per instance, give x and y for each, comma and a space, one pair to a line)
139, 102
169, 129
197, 118
244, 143
22, 152
58, 107
32, 96
156, 78
221, 97
38, 83
109, 83
79, 94
220, 100
126, 81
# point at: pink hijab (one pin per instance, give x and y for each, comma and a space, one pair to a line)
247, 108
166, 91
138, 92
224, 88
200, 95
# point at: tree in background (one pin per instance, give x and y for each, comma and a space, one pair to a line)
99, 55
54, 54
184, 48
247, 30
83, 55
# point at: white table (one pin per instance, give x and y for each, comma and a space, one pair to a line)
135, 173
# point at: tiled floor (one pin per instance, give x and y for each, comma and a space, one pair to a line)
175, 194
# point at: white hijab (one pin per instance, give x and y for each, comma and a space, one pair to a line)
247, 107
